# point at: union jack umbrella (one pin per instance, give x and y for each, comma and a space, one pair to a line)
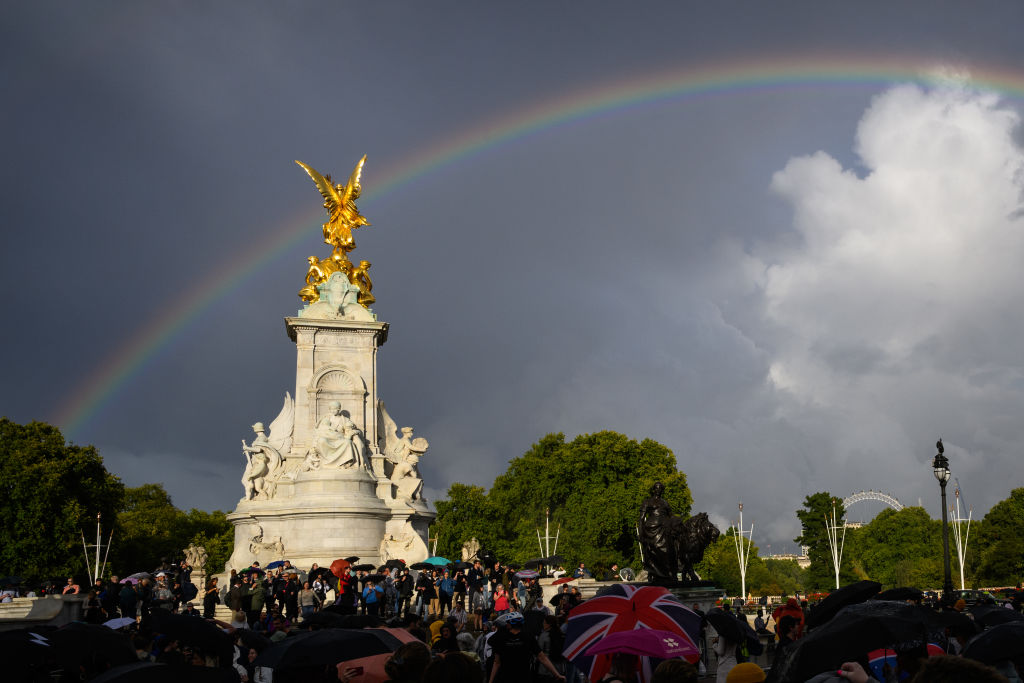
624, 607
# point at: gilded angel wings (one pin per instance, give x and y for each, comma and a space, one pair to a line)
339, 200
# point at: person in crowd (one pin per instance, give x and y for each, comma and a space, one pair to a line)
461, 586
787, 629
725, 652
308, 601
211, 598
581, 572
408, 663
190, 610
675, 671
257, 598
613, 573
459, 614
94, 613
446, 641
281, 627
624, 667
514, 650
477, 606
372, 596
445, 585
426, 593
550, 642
456, 667
128, 600
759, 625
72, 588
501, 603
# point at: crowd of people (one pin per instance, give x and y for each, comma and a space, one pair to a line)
475, 622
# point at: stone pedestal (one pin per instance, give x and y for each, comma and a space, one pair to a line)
311, 511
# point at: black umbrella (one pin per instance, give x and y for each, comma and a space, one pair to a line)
991, 615
395, 564
726, 625
958, 622
420, 566
152, 672
189, 591
10, 581
855, 630
850, 594
534, 563
252, 639
353, 559
1004, 641
192, 631
554, 559
902, 593
364, 568
327, 647
27, 654
77, 642
342, 617
376, 578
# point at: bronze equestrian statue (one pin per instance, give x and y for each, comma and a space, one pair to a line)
671, 546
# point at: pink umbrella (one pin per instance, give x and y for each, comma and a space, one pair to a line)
645, 642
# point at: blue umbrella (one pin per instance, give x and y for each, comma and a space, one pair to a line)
275, 564
437, 561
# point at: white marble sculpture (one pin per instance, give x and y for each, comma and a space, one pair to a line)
338, 442
274, 548
405, 545
196, 556
404, 453
264, 460
469, 549
338, 301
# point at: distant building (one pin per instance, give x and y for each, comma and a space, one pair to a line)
802, 560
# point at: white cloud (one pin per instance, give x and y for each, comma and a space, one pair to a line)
896, 316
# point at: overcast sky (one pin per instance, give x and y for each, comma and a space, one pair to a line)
796, 285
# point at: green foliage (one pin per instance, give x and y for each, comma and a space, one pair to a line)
821, 573
50, 492
901, 548
1001, 542
150, 528
592, 485
785, 577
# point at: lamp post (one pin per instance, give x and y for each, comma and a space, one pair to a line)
940, 467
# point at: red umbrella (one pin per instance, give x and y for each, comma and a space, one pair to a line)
338, 566
624, 607
564, 579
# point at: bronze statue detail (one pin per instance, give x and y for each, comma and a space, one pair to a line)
343, 218
669, 545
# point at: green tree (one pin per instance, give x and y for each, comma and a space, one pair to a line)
813, 536
1001, 542
592, 485
51, 493
464, 514
150, 528
902, 548
785, 577
721, 565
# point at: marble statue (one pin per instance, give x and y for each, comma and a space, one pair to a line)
470, 549
195, 556
275, 547
264, 460
404, 453
406, 545
338, 299
338, 441
669, 545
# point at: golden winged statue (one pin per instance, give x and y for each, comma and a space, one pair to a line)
339, 200
343, 218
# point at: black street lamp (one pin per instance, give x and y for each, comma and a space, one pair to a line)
940, 466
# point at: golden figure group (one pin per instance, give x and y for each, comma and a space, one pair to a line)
343, 218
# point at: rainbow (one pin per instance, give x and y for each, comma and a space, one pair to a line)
670, 86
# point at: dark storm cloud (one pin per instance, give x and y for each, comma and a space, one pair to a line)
607, 274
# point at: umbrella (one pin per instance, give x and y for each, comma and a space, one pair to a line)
564, 579
10, 581
850, 594
337, 618
395, 564
857, 629
877, 659
152, 672
119, 622
352, 559
421, 566
250, 638
251, 570
645, 642
338, 566
725, 624
275, 564
437, 561
192, 631
373, 665
364, 568
527, 574
189, 591
554, 559
78, 642
1005, 641
140, 576
991, 615
130, 580
902, 593
327, 647
624, 607
535, 562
